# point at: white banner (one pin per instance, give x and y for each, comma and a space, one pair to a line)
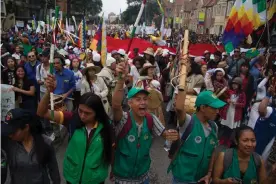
149, 30
7, 99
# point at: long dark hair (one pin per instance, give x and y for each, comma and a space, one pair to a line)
151, 59
94, 102
12, 58
240, 130
41, 148
239, 90
195, 69
16, 77
71, 64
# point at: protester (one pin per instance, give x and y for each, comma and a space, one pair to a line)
231, 114
198, 140
8, 74
24, 90
88, 153
66, 83
75, 67
133, 130
242, 165
92, 83
31, 158
42, 70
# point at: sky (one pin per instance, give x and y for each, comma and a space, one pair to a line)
114, 6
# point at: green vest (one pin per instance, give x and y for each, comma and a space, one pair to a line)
192, 160
95, 170
132, 156
250, 176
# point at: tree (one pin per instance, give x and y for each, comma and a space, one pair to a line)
151, 12
86, 7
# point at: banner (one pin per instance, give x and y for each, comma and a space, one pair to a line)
7, 99
201, 18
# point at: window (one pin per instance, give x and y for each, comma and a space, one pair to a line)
218, 8
229, 7
223, 9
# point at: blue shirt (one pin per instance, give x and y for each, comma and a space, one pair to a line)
265, 130
254, 71
31, 72
65, 81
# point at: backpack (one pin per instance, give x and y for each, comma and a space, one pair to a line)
228, 157
177, 144
128, 125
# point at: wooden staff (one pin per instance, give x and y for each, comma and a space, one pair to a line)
183, 73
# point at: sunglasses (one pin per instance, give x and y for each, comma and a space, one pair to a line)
31, 56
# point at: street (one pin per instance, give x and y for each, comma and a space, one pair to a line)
159, 165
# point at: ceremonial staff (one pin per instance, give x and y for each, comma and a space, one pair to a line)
52, 51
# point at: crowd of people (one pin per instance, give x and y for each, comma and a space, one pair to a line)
220, 129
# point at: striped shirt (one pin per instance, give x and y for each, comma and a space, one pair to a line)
157, 130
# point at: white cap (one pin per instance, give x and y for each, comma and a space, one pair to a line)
122, 52
70, 47
96, 57
110, 60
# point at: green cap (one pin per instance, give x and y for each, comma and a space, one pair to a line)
210, 99
133, 91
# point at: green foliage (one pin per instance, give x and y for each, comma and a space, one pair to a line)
86, 7
151, 12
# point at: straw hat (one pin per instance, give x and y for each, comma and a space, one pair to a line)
91, 66
237, 80
147, 66
149, 51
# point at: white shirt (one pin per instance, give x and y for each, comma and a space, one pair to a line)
78, 79
41, 74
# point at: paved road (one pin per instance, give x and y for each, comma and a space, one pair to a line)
160, 162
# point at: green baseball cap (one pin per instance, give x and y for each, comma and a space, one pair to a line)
210, 99
134, 91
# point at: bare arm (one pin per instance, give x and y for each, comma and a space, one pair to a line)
117, 98
218, 170
263, 107
30, 92
43, 111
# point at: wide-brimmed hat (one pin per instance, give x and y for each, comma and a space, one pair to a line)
147, 66
237, 80
149, 51
91, 66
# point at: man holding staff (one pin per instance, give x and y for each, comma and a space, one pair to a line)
193, 161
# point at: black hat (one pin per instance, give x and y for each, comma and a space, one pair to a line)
46, 52
15, 119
